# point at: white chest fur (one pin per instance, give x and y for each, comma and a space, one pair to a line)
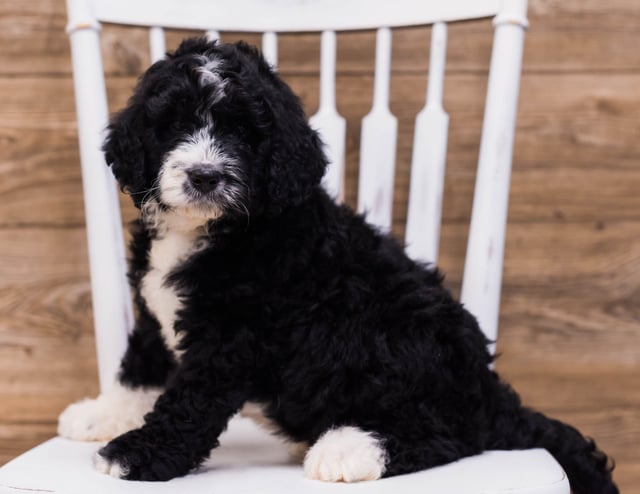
167, 251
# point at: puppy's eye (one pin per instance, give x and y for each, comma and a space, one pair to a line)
243, 131
178, 126
170, 129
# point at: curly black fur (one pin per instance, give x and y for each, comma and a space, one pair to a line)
297, 303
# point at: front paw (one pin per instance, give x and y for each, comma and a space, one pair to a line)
91, 420
114, 412
142, 455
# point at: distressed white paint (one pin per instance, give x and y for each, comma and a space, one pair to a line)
117, 410
112, 308
332, 126
378, 143
345, 454
157, 43
424, 214
485, 250
290, 15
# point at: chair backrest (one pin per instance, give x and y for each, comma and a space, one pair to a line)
483, 263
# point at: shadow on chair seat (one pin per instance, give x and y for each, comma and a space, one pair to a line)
250, 461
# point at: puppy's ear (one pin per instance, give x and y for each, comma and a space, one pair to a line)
298, 161
124, 153
292, 153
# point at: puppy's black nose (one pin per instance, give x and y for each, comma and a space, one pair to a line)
203, 179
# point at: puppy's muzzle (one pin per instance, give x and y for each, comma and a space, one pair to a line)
203, 179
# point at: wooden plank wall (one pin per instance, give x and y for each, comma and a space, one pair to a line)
570, 321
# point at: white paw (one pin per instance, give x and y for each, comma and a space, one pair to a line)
109, 467
112, 413
345, 454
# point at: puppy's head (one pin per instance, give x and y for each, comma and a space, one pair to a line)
212, 132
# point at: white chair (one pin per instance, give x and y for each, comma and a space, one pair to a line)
250, 461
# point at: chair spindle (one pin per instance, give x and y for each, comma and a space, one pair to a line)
485, 249
429, 158
157, 44
327, 121
378, 143
212, 35
270, 48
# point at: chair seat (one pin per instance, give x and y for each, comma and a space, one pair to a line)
250, 461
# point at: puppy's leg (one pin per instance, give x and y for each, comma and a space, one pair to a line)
143, 371
346, 454
185, 422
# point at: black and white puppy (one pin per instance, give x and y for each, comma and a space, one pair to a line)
252, 285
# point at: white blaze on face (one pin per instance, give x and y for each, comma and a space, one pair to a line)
197, 150
201, 150
209, 75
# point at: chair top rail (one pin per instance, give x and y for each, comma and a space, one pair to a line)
289, 15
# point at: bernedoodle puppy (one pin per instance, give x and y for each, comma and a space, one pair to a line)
252, 285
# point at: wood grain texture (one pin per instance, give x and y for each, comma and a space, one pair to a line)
564, 36
570, 323
47, 347
583, 141
557, 308
16, 438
